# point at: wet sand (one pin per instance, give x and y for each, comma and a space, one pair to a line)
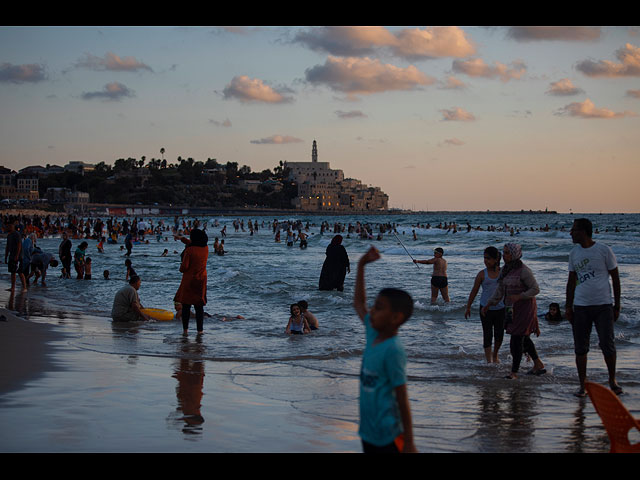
65, 398
60, 394
58, 397
25, 350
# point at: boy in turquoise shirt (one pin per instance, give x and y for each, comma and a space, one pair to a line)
385, 414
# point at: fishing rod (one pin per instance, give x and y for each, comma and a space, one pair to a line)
405, 249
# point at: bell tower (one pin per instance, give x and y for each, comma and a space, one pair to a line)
314, 152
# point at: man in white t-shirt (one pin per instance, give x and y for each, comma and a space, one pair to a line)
589, 301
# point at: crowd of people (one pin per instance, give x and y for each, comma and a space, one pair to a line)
508, 303
507, 298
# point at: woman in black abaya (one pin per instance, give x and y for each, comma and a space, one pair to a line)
335, 267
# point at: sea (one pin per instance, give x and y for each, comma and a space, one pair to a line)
459, 402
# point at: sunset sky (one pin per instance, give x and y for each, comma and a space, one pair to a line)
440, 118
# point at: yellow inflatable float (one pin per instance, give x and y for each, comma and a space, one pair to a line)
158, 314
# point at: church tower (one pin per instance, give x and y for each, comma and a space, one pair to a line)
314, 152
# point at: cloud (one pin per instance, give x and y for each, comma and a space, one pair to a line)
452, 141
580, 34
587, 109
10, 73
345, 41
365, 76
436, 42
409, 43
248, 89
453, 83
113, 91
629, 65
457, 114
476, 67
276, 140
112, 62
563, 87
350, 114
633, 93
226, 123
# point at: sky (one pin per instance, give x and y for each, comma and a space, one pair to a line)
440, 118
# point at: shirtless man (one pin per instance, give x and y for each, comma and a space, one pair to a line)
439, 282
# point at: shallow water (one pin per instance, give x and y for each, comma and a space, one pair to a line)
460, 404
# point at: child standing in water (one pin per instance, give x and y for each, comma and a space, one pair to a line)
130, 271
385, 412
439, 281
493, 321
297, 323
87, 269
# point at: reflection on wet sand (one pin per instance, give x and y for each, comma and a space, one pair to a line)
189, 371
506, 418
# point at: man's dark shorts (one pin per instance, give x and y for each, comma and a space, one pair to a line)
439, 282
583, 320
12, 266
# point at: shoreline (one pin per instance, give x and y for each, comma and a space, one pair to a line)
156, 211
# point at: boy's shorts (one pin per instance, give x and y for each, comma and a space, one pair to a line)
584, 317
394, 447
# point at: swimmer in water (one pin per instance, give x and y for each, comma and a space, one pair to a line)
308, 316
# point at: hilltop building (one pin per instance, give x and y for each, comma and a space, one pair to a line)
18, 186
321, 188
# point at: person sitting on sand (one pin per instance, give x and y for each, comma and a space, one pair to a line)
439, 281
297, 323
126, 303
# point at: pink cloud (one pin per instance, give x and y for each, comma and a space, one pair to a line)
248, 89
457, 114
21, 73
476, 67
112, 62
433, 43
629, 57
276, 140
587, 109
365, 76
411, 43
563, 87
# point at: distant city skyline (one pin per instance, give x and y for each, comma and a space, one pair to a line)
440, 118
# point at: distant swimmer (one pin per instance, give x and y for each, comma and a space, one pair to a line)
439, 280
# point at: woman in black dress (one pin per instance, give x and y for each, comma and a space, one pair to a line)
335, 267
